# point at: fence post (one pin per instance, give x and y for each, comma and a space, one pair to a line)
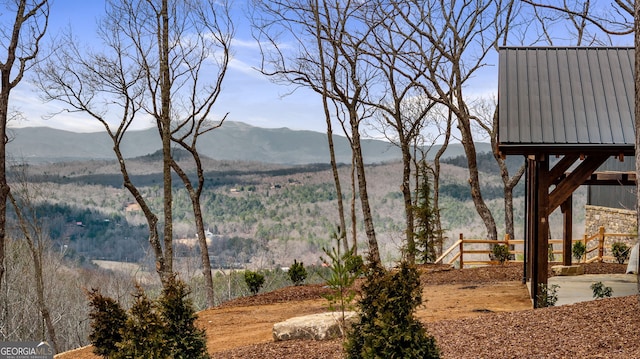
584, 256
601, 243
461, 250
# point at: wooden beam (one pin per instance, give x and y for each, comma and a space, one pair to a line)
565, 188
562, 166
567, 233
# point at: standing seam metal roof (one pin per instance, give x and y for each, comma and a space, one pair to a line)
556, 98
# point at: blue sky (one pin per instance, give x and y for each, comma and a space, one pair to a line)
248, 96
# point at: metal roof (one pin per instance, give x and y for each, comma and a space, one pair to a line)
557, 100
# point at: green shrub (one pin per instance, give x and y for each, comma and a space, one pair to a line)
621, 251
387, 326
600, 291
143, 333
547, 295
176, 310
151, 329
254, 281
107, 320
578, 250
297, 273
501, 252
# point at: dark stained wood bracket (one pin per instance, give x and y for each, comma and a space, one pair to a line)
575, 179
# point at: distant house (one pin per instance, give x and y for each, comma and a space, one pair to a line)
132, 207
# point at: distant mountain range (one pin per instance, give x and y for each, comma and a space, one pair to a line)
233, 141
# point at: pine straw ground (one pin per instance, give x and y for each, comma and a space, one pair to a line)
607, 328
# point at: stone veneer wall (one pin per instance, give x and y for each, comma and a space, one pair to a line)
614, 220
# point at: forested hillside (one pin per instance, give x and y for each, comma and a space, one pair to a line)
257, 214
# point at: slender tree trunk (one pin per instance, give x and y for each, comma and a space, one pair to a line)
354, 223
194, 196
436, 182
165, 135
408, 203
474, 179
204, 252
4, 187
327, 116
151, 218
374, 252
509, 184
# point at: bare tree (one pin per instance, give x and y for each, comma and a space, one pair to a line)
157, 63
210, 43
347, 76
77, 78
400, 102
24, 25
461, 35
23, 198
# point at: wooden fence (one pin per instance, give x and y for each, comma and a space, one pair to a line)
463, 247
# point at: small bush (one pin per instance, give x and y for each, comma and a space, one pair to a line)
578, 250
547, 295
621, 251
254, 281
297, 273
107, 320
501, 253
151, 329
176, 310
143, 334
600, 291
387, 326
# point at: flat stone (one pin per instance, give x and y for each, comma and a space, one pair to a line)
323, 326
568, 270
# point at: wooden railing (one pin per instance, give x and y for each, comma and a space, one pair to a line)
460, 250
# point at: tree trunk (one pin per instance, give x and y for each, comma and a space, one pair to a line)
436, 183
165, 135
151, 218
408, 204
327, 116
4, 187
194, 196
474, 180
374, 252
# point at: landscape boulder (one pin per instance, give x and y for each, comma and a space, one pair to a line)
567, 270
323, 326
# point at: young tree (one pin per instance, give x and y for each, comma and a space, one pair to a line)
24, 26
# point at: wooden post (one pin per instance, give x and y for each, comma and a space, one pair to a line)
461, 251
601, 243
540, 245
584, 256
567, 233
